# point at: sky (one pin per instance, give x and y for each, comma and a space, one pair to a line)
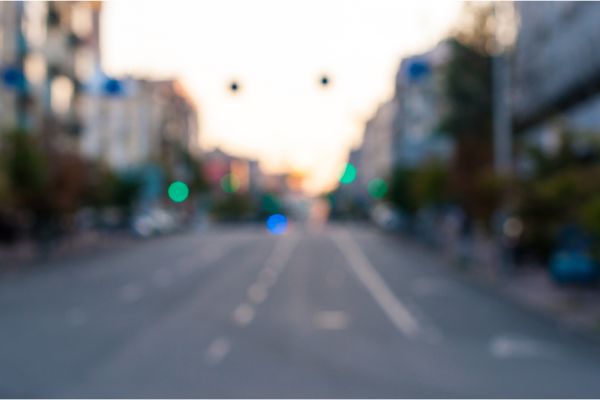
277, 51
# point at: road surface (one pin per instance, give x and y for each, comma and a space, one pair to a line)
344, 311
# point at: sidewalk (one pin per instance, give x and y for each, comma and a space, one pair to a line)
27, 253
577, 307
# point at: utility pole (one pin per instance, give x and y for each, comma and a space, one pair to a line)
502, 117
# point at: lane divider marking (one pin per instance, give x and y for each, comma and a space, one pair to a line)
398, 314
217, 351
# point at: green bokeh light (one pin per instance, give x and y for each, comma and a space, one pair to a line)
377, 188
230, 183
349, 174
178, 191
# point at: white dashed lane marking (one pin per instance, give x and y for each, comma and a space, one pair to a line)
257, 293
331, 320
243, 314
512, 346
397, 312
217, 351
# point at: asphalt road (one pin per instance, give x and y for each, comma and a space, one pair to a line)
235, 312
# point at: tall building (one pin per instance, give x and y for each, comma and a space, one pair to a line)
376, 156
48, 50
245, 174
132, 122
556, 70
14, 96
419, 93
52, 86
403, 131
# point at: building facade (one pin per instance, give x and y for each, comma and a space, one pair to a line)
48, 50
555, 73
419, 93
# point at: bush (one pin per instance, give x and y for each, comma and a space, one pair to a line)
401, 194
44, 189
563, 191
430, 185
5, 190
411, 189
233, 207
106, 188
24, 167
589, 215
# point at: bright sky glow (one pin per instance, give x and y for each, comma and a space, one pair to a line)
277, 51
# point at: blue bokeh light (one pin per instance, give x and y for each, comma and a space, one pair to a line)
277, 224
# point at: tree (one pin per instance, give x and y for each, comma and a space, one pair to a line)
401, 194
430, 186
25, 170
468, 93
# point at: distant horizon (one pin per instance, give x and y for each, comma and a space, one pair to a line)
281, 116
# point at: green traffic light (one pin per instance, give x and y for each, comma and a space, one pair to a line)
178, 191
349, 174
377, 188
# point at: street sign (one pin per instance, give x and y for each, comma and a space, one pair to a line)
13, 77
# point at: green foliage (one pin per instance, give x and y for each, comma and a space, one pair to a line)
125, 191
197, 182
51, 186
400, 193
423, 186
232, 207
546, 205
549, 163
270, 204
106, 188
4, 187
467, 86
430, 186
488, 195
564, 189
589, 214
24, 169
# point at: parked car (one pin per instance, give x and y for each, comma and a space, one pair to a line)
156, 221
386, 218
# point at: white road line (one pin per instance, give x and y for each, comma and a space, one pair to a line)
398, 314
257, 293
217, 351
510, 346
243, 314
276, 261
267, 279
280, 255
268, 273
331, 320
